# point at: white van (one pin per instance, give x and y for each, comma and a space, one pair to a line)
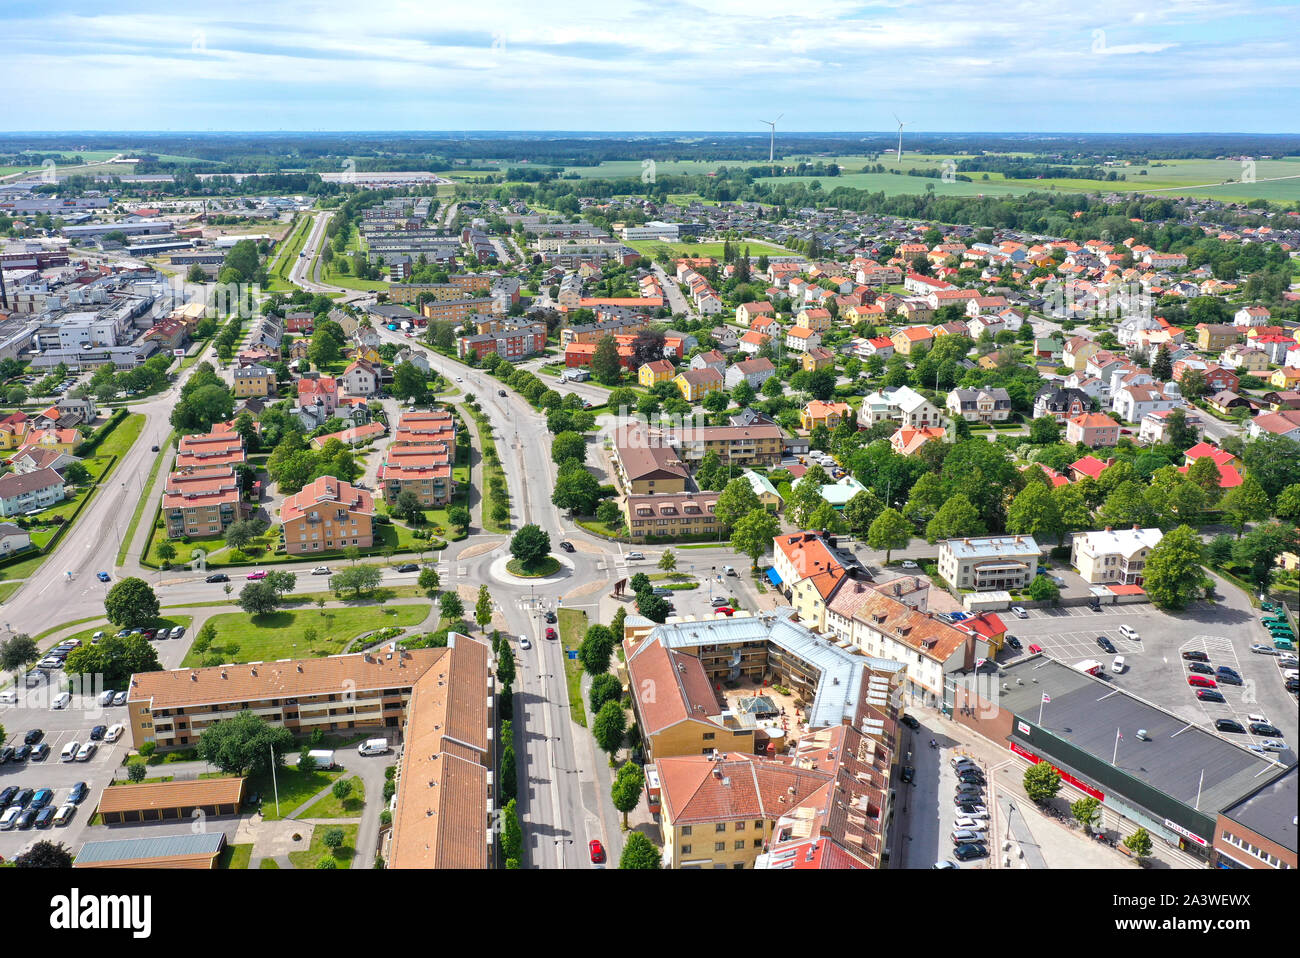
373, 746
728, 570
61, 700
106, 697
1129, 633
9, 697
1118, 665
70, 751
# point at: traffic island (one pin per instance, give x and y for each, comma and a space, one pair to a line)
537, 569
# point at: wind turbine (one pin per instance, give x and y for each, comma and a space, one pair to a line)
899, 155
771, 147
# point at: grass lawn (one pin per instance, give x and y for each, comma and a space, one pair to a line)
235, 856
295, 788
268, 863
573, 626
547, 565
139, 507
7, 589
21, 570
491, 469
282, 635
343, 854
331, 807
117, 442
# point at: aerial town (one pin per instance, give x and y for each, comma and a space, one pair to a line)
772, 500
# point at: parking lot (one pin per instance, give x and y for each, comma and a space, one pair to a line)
1155, 669
61, 726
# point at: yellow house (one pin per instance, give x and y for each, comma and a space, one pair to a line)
12, 433
254, 380
819, 357
653, 373
816, 319
695, 384
1286, 377
828, 414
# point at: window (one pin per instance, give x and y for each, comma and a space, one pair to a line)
686, 829
719, 846
709, 736
758, 843
686, 849
740, 826
720, 827
740, 845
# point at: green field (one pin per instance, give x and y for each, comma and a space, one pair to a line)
283, 635
756, 248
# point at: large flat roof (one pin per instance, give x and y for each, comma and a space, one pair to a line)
1271, 810
1178, 757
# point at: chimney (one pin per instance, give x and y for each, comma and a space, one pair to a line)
1108, 529
223, 673
299, 666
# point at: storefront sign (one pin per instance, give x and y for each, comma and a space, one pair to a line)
1173, 826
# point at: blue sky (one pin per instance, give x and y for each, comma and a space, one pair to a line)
828, 65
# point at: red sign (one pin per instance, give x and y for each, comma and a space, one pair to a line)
1065, 776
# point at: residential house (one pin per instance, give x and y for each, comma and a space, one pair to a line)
672, 515
818, 320
1225, 401
800, 339
644, 465
1244, 359
1229, 474
819, 357
910, 336
1113, 557
906, 440
1285, 423
1134, 402
1249, 316
1155, 426
753, 341
695, 384
1285, 378
32, 491
989, 563
753, 371
253, 380
1078, 350
654, 372
768, 497
712, 359
1215, 337
13, 539
1092, 429
989, 404
903, 405
1061, 403
1089, 466
319, 390
828, 414
36, 458
746, 313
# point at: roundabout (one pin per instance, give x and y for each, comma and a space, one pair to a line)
549, 569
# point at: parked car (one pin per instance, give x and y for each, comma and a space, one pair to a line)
1106, 644
962, 836
321, 570
7, 795
1118, 666
971, 777
1202, 682
64, 815
1018, 612
97, 732
258, 574
40, 752
27, 817
907, 774
725, 610
87, 752
22, 753
911, 722
1035, 649
1229, 679
1263, 649
961, 761
178, 632
635, 556
720, 601
1229, 725
1273, 745
119, 698
660, 590
550, 617
970, 851
971, 825
1014, 643
945, 865
61, 700
114, 732
1209, 695
1265, 728
23, 797
44, 817
78, 793
217, 577
70, 750
1194, 655
33, 736
909, 564
1129, 633
972, 811
1200, 668
42, 798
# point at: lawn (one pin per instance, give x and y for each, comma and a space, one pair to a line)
235, 856
756, 248
295, 788
491, 468
573, 626
283, 634
331, 807
7, 589
343, 855
139, 506
123, 436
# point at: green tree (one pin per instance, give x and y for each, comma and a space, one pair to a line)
1033, 513
1086, 811
889, 531
258, 598
136, 772
458, 516
1126, 506
595, 650
1071, 510
131, 604
1043, 589
752, 535
1205, 473
483, 608
166, 552
1244, 503
626, 788
605, 366
244, 744
736, 500
18, 652
332, 839
429, 580
359, 579
1287, 505
653, 607
569, 445
408, 506
1044, 430
861, 511
512, 833
509, 772
240, 535
1139, 843
1260, 548
609, 727
605, 687
1272, 461
1173, 574
530, 545
44, 854
506, 665
639, 852
576, 489
956, 519
450, 605
1041, 782
341, 789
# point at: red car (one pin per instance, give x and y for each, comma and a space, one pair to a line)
597, 852
550, 633
1035, 649
725, 610
259, 574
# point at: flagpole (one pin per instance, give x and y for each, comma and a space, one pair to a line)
1115, 754
1041, 703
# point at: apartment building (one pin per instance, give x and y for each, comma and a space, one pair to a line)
645, 466
253, 380
989, 563
1113, 556
200, 502
445, 799
220, 447
423, 428
758, 444
455, 310
328, 515
1092, 429
903, 405
422, 469
672, 515
695, 384
511, 342
363, 690
25, 492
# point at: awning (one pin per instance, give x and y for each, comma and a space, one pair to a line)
773, 578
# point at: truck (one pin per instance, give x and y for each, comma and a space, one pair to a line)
324, 758
373, 746
1091, 666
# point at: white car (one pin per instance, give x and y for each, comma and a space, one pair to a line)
114, 732
524, 643
1118, 665
86, 751
971, 825
976, 812
1263, 649
635, 556
1273, 745
1129, 633
9, 820
1257, 717
321, 570
61, 700
1018, 612
70, 751
909, 564
64, 814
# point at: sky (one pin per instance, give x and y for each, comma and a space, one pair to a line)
1166, 66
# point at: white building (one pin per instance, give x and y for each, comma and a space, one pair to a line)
1113, 556
989, 563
